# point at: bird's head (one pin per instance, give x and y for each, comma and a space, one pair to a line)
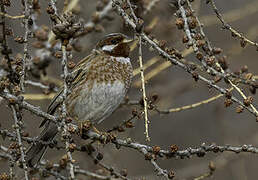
115, 44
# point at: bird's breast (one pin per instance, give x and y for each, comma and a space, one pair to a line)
109, 69
98, 102
101, 90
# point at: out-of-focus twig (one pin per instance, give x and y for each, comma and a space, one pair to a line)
234, 32
173, 60
92, 175
36, 84
151, 4
232, 15
37, 97
192, 105
70, 6
90, 24
155, 71
12, 17
112, 171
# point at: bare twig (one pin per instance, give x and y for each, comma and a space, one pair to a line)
6, 51
146, 65
175, 61
39, 85
232, 15
159, 68
199, 151
19, 141
239, 91
12, 17
144, 97
101, 15
90, 24
112, 171
71, 5
15, 78
160, 171
142, 77
64, 113
92, 175
23, 104
243, 39
191, 105
25, 49
66, 134
149, 7
203, 176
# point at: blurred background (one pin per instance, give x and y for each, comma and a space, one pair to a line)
209, 123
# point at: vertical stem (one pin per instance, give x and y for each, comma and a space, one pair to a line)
64, 112
25, 49
19, 141
144, 92
17, 126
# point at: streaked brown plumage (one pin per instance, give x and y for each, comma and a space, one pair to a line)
98, 86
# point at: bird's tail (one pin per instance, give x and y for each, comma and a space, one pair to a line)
37, 150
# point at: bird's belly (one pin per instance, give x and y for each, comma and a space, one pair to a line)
97, 103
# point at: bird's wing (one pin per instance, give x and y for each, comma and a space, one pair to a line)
77, 74
56, 101
82, 69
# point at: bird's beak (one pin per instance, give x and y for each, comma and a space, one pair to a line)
127, 41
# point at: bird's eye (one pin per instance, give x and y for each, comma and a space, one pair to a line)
114, 41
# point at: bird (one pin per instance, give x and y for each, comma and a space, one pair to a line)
98, 85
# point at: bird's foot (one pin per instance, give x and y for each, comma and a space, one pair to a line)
105, 137
84, 128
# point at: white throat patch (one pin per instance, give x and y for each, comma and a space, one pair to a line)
122, 59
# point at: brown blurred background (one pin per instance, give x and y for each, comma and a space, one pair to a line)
210, 123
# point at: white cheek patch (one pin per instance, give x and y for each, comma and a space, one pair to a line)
108, 48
